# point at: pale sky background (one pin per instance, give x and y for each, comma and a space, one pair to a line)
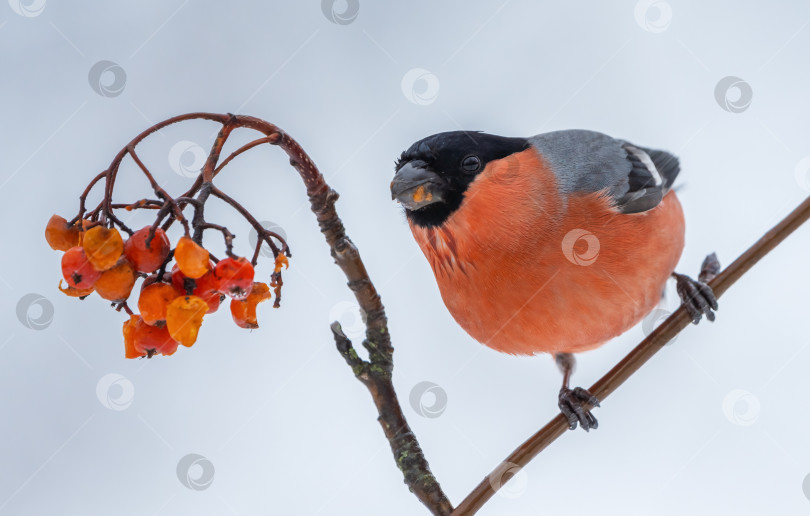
715, 424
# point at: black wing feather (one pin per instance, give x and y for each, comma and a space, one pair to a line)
651, 176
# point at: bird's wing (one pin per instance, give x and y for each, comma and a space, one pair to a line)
587, 161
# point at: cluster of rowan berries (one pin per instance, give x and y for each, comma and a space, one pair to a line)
171, 304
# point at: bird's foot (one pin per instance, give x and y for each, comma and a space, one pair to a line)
572, 403
696, 295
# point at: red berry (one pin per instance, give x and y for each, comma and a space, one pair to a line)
77, 269
147, 258
150, 340
235, 277
205, 287
208, 289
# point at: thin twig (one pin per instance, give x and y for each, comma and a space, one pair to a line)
83, 197
159, 191
263, 233
634, 360
227, 235
243, 148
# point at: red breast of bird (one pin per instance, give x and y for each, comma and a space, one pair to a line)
535, 260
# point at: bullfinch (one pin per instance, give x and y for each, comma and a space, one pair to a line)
554, 243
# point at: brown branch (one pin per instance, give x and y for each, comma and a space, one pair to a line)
635, 359
227, 235
374, 373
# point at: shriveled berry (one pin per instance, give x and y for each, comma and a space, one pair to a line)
184, 316
103, 246
154, 300
147, 258
129, 338
75, 292
116, 283
77, 269
59, 235
191, 257
235, 277
243, 311
281, 259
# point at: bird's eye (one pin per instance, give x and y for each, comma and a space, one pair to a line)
470, 164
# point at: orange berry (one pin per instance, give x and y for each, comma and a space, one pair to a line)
77, 269
59, 235
184, 316
153, 301
116, 283
129, 338
191, 258
243, 311
103, 247
147, 258
75, 292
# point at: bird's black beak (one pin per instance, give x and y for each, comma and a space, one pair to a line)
415, 186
